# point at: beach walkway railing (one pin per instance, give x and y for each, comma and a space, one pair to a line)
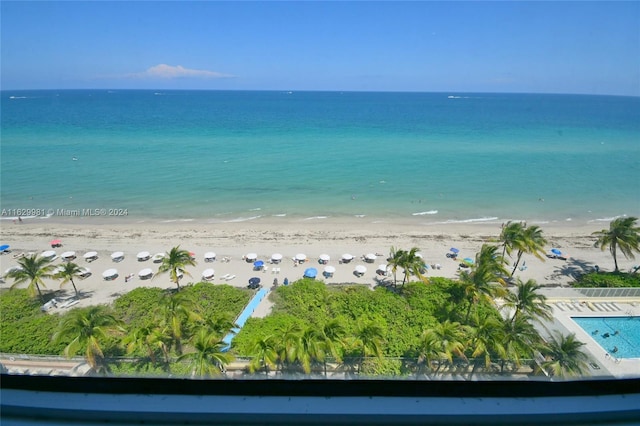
244, 316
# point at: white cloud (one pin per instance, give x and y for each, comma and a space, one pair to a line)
164, 71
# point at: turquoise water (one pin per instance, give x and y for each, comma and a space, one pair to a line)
231, 156
603, 330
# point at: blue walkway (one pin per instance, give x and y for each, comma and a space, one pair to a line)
244, 316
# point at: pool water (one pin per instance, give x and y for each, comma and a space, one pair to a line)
610, 333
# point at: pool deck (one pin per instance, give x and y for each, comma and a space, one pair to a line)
567, 303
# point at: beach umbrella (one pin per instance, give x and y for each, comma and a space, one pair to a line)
347, 258
254, 282
301, 257
276, 257
251, 257
145, 273
4, 247
143, 255
110, 274
49, 254
208, 273
324, 258
454, 250
117, 256
329, 269
68, 255
468, 261
310, 273
90, 255
258, 264
157, 258
56, 243
209, 256
382, 268
556, 251
13, 268
370, 257
360, 269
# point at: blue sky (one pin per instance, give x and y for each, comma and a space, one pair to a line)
542, 47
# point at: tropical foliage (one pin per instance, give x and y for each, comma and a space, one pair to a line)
175, 263
623, 234
32, 270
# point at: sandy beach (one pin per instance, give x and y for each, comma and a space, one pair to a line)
233, 241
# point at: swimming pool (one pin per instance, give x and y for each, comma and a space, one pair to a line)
610, 333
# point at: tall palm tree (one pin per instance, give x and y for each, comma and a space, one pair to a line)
520, 339
288, 341
368, 338
87, 329
428, 351
488, 259
175, 262
150, 340
264, 354
623, 234
32, 269
395, 261
208, 359
447, 340
409, 261
176, 313
310, 348
333, 334
67, 272
530, 241
484, 281
509, 235
528, 302
564, 356
485, 340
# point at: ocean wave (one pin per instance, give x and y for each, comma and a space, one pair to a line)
14, 218
360, 215
478, 219
18, 97
243, 219
280, 215
607, 219
425, 213
255, 210
315, 217
176, 220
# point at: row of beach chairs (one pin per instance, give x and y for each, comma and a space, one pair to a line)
594, 306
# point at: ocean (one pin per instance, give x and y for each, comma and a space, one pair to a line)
232, 156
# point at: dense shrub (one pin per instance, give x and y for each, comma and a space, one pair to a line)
608, 279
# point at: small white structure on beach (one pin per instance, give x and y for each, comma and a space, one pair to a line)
110, 274
143, 256
85, 272
90, 256
324, 259
209, 256
157, 258
382, 269
117, 256
276, 258
49, 254
329, 271
251, 257
208, 274
145, 274
346, 258
300, 257
68, 255
359, 270
370, 258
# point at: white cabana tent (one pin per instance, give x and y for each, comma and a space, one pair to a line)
276, 258
209, 256
49, 254
157, 258
359, 270
208, 274
382, 269
68, 255
145, 273
324, 258
300, 257
110, 274
346, 258
251, 257
143, 255
329, 271
90, 256
117, 256
370, 258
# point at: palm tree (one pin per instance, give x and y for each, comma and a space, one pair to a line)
564, 356
409, 261
288, 340
428, 351
487, 259
175, 262
368, 338
484, 281
520, 338
150, 340
310, 348
623, 234
67, 272
264, 354
486, 341
528, 302
530, 241
177, 315
86, 329
33, 269
395, 261
446, 340
509, 236
333, 334
208, 359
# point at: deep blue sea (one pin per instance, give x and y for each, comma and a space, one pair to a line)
214, 156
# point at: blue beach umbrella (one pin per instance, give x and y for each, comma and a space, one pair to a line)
454, 250
468, 260
310, 273
258, 263
4, 247
556, 251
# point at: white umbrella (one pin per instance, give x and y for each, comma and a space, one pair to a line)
143, 255
110, 274
360, 269
370, 257
90, 255
157, 258
85, 272
301, 257
145, 273
209, 256
329, 269
276, 257
68, 255
117, 256
250, 257
49, 254
325, 258
347, 257
208, 273
13, 268
382, 268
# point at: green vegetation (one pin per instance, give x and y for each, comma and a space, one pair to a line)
608, 279
623, 234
